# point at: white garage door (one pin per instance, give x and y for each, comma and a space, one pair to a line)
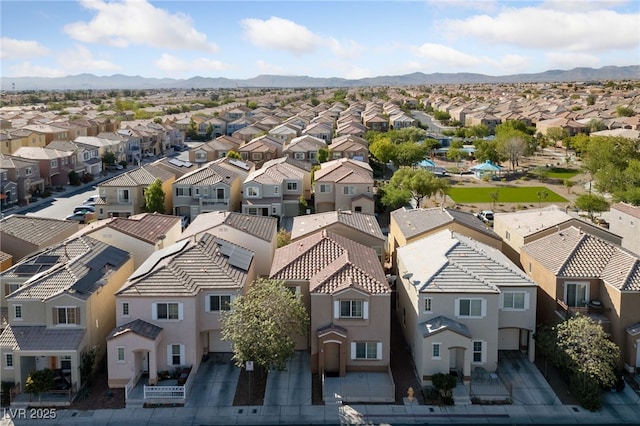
508, 339
216, 344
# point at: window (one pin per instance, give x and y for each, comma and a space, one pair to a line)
507, 235
196, 192
276, 190
219, 303
435, 351
256, 156
125, 309
168, 311
298, 155
17, 312
337, 155
175, 354
292, 186
351, 309
28, 171
65, 362
54, 164
470, 308
183, 192
123, 195
348, 190
366, 350
515, 300
200, 156
576, 294
252, 191
312, 156
220, 193
120, 354
478, 353
8, 360
428, 302
66, 315
325, 188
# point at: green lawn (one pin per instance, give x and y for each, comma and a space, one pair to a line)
524, 194
561, 173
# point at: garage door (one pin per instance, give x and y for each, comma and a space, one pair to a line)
508, 339
216, 344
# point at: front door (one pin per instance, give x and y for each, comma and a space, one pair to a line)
145, 362
332, 359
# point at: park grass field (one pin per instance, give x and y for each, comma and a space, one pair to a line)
506, 194
561, 173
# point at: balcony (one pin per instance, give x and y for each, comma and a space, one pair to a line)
209, 202
594, 310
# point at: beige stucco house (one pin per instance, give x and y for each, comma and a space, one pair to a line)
460, 301
344, 184
624, 219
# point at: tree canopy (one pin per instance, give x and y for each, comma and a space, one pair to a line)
512, 144
263, 323
408, 183
592, 203
154, 198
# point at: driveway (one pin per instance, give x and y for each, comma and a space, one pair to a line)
215, 382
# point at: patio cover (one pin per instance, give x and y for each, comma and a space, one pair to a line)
487, 166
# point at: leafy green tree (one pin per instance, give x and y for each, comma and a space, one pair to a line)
478, 131
263, 323
444, 384
592, 203
108, 158
384, 151
542, 196
154, 198
568, 183
556, 134
407, 134
441, 115
192, 129
234, 154
410, 153
419, 183
323, 155
39, 382
487, 150
394, 197
595, 125
283, 238
494, 195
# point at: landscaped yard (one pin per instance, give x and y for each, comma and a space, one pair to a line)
506, 194
561, 173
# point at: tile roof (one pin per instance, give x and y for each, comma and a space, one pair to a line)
209, 174
330, 262
344, 170
139, 327
415, 222
440, 324
458, 264
147, 227
187, 267
41, 338
304, 225
36, 230
576, 254
144, 175
262, 227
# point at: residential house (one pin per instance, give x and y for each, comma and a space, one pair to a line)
344, 184
322, 131
209, 188
8, 191
572, 127
237, 124
624, 219
260, 150
54, 165
256, 233
401, 120
460, 302
276, 188
350, 146
482, 118
346, 293
140, 234
115, 145
249, 132
359, 227
93, 165
578, 272
212, 150
50, 132
123, 195
375, 121
174, 166
168, 311
61, 306
285, 133
304, 148
26, 175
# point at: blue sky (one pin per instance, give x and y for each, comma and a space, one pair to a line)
348, 39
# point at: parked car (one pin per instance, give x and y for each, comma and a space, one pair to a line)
91, 201
78, 217
84, 209
114, 167
486, 216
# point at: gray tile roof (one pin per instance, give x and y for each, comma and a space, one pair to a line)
415, 222
330, 262
575, 254
307, 224
140, 176
187, 267
36, 230
40, 338
139, 327
209, 174
440, 324
145, 226
262, 227
450, 262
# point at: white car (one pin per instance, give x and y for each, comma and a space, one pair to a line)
91, 201
486, 216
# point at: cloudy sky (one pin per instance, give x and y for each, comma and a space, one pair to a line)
348, 39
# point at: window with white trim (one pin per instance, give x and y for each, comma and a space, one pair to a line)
167, 311
54, 164
253, 191
8, 360
515, 300
183, 192
28, 171
276, 190
292, 186
120, 354
351, 309
298, 155
65, 362
17, 312
428, 305
324, 188
478, 351
125, 309
366, 350
196, 192
471, 308
175, 354
348, 190
66, 315
219, 302
435, 351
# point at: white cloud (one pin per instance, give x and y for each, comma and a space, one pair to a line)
174, 65
27, 69
445, 55
267, 68
559, 60
280, 34
11, 48
483, 5
510, 64
581, 5
80, 59
136, 22
348, 49
578, 31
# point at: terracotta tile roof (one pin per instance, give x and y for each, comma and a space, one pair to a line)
185, 268
36, 230
139, 327
307, 224
330, 263
40, 338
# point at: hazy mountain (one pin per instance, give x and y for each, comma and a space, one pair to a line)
119, 81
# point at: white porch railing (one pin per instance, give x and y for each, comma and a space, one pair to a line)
129, 387
164, 392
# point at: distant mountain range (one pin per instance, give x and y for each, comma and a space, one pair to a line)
119, 81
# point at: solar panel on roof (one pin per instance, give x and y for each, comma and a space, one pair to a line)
238, 256
187, 164
46, 259
176, 162
239, 163
87, 283
148, 265
27, 269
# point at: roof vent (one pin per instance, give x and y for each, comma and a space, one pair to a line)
407, 275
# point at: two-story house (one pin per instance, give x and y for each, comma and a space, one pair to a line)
61, 306
8, 191
344, 184
214, 149
304, 148
460, 302
26, 174
209, 188
276, 188
123, 195
625, 221
168, 311
260, 150
350, 146
54, 165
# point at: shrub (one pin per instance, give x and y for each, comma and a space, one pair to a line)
444, 383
